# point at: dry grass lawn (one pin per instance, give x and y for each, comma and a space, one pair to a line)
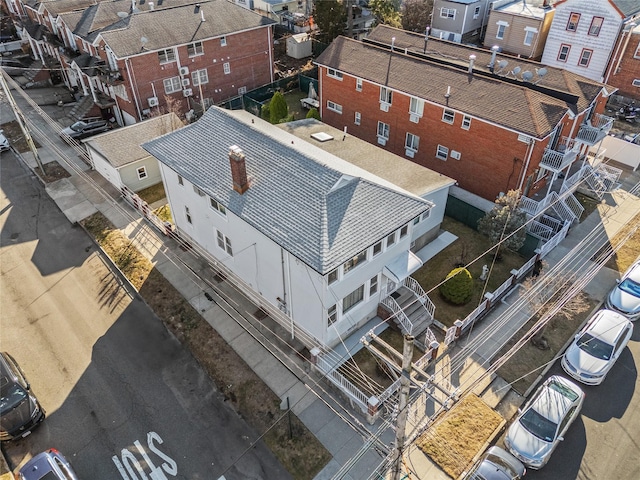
460, 434
302, 455
153, 193
630, 251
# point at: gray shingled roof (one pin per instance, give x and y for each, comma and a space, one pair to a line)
221, 18
290, 198
122, 146
628, 7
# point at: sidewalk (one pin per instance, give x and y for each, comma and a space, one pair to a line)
287, 375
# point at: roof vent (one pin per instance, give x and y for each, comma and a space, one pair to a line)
342, 181
321, 136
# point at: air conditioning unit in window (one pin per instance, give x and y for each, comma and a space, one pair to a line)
414, 118
187, 92
384, 107
184, 71
409, 153
382, 141
455, 155
153, 101
185, 82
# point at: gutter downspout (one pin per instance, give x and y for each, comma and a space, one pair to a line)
464, 21
270, 52
127, 63
624, 49
525, 166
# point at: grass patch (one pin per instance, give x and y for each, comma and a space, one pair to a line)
153, 193
523, 368
460, 434
164, 213
297, 449
469, 245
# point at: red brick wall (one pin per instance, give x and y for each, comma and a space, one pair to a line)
492, 158
628, 71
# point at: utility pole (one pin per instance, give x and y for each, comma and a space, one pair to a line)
21, 121
401, 420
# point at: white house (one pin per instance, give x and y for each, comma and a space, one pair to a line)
314, 235
118, 156
584, 32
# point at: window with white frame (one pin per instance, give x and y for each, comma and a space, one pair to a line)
572, 24
416, 220
636, 82
226, 68
357, 118
187, 214
223, 41
637, 52
224, 243
383, 130
242, 90
332, 315
353, 299
585, 57
180, 180
403, 231
172, 85
334, 107
466, 122
391, 239
425, 215
385, 95
596, 26
448, 116
563, 54
411, 142
377, 248
529, 35
200, 77
167, 56
142, 172
373, 286
217, 206
334, 74
448, 12
332, 276
354, 262
416, 106
359, 84
194, 49
502, 27
442, 152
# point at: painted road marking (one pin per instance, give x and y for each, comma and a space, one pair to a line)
132, 469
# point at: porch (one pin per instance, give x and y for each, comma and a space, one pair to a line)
594, 130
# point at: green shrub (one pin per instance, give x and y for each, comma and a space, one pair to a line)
265, 112
313, 113
278, 108
458, 286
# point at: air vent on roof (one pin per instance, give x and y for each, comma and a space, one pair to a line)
321, 136
342, 181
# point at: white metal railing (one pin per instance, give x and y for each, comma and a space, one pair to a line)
503, 288
592, 133
529, 205
609, 175
389, 391
525, 268
557, 238
572, 203
479, 310
413, 285
539, 230
561, 208
399, 314
559, 157
342, 383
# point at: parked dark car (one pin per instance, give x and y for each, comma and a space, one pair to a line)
20, 411
49, 465
86, 128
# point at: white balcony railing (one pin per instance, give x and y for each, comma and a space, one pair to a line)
562, 155
595, 129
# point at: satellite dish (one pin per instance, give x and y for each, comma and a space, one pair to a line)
527, 76
501, 65
144, 41
541, 72
516, 71
122, 14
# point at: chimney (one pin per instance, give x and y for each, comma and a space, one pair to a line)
150, 5
238, 169
494, 52
472, 59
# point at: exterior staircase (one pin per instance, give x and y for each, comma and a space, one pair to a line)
410, 308
82, 108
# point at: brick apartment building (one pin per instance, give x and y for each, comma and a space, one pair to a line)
127, 58
624, 68
515, 125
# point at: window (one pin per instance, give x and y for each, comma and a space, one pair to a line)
223, 41
501, 29
334, 107
357, 119
359, 84
333, 276
167, 56
426, 215
466, 122
354, 262
373, 286
224, 242
385, 95
332, 315
528, 37
180, 180
352, 299
403, 231
572, 24
383, 130
217, 206
596, 25
200, 77
416, 106
411, 142
416, 220
585, 57
187, 214
242, 90
195, 49
391, 239
563, 54
636, 82
476, 13
448, 12
448, 115
172, 85
637, 52
334, 74
142, 173
226, 67
377, 248
442, 152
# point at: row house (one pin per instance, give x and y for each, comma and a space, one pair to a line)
584, 33
492, 122
624, 68
519, 27
459, 21
316, 241
131, 59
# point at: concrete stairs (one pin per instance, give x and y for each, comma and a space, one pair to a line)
80, 110
413, 309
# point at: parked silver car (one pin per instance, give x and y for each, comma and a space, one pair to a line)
543, 421
496, 464
597, 346
4, 143
49, 465
625, 297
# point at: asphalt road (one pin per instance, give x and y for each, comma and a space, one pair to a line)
123, 398
604, 442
